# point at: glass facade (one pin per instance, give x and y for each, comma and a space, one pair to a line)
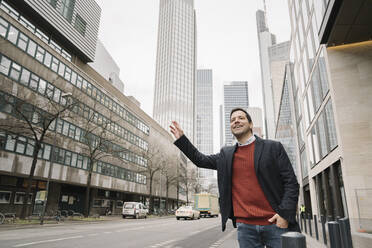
174, 97
311, 87
24, 146
70, 74
235, 95
204, 120
284, 129
23, 76
31, 27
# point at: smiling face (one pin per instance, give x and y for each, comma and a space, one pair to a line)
240, 126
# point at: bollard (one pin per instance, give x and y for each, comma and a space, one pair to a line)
322, 219
345, 233
309, 220
293, 240
334, 234
316, 227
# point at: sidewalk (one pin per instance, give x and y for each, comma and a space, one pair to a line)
230, 241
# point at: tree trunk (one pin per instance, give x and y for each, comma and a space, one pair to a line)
166, 194
87, 192
151, 204
25, 209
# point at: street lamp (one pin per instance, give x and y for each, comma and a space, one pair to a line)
64, 96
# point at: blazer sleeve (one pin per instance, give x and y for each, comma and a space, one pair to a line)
288, 205
198, 158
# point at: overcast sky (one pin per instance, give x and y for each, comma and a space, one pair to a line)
226, 43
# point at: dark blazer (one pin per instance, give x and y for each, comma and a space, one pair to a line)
274, 173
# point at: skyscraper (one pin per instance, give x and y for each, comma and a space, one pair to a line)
204, 121
175, 65
331, 61
235, 95
272, 59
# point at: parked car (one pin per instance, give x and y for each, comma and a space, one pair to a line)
187, 212
134, 209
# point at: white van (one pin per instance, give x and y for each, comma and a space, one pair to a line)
134, 209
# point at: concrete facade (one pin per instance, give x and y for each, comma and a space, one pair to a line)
350, 66
34, 73
331, 88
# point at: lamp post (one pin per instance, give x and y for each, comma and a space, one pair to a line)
65, 96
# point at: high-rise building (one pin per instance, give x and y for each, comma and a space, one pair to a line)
272, 60
105, 65
256, 115
46, 81
235, 95
221, 121
204, 122
330, 63
285, 128
176, 65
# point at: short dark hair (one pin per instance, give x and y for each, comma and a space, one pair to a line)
241, 109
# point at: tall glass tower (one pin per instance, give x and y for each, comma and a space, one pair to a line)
175, 65
235, 95
204, 122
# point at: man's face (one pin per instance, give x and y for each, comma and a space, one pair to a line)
239, 124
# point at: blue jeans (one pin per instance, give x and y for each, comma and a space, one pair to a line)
256, 236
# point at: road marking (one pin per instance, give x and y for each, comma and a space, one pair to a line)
163, 243
48, 241
223, 239
107, 232
93, 234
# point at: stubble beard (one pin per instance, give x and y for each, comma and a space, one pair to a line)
242, 134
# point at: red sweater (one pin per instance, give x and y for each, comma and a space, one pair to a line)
249, 202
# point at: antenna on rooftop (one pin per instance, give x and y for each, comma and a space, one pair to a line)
264, 2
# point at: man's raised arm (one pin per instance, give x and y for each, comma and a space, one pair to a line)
183, 143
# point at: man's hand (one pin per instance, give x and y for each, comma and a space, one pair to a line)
280, 222
176, 130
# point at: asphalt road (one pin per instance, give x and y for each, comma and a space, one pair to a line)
128, 233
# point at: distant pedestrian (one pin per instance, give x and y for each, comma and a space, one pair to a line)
302, 211
257, 185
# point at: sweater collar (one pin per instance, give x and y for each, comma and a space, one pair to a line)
249, 141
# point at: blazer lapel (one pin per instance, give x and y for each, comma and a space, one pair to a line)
229, 158
258, 148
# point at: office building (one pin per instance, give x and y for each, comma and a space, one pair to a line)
273, 57
174, 97
45, 48
105, 65
235, 94
331, 61
256, 115
204, 123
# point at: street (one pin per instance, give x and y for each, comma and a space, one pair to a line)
149, 233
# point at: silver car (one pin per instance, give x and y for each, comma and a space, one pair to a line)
134, 209
187, 212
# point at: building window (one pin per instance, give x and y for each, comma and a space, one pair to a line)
5, 197
80, 24
67, 8
331, 126
19, 196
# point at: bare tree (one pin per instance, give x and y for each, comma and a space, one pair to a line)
32, 116
188, 181
169, 171
99, 142
155, 162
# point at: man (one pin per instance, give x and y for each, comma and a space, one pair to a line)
257, 186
